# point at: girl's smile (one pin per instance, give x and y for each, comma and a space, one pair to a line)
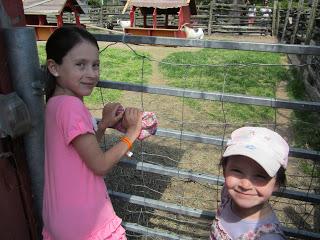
248, 185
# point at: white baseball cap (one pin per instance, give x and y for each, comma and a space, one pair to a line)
263, 145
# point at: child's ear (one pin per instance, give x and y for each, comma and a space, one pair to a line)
52, 67
276, 187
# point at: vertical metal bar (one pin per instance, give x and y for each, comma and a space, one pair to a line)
24, 68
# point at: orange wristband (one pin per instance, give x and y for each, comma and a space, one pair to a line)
126, 140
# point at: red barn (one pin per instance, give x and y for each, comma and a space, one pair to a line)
182, 8
36, 13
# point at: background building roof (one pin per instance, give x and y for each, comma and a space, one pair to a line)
163, 4
49, 7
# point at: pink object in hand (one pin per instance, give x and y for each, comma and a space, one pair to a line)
148, 126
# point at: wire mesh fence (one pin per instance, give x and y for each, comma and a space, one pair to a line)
170, 188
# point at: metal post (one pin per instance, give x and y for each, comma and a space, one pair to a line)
24, 68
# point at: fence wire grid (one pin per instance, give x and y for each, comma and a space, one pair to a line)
170, 188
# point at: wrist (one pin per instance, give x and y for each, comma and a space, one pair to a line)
127, 141
102, 126
132, 135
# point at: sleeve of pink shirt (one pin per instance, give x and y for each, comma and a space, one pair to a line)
75, 123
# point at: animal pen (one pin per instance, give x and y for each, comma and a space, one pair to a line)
182, 9
170, 188
36, 13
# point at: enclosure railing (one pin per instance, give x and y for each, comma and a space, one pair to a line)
312, 198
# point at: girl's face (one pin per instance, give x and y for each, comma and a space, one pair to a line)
78, 73
248, 185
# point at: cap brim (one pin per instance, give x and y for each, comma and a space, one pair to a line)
259, 155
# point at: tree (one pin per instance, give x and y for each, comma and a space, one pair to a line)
94, 3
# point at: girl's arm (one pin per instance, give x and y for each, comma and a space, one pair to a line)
101, 162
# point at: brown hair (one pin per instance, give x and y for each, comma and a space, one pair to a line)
281, 179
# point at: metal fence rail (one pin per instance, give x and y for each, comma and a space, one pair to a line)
215, 180
222, 97
190, 212
188, 136
231, 45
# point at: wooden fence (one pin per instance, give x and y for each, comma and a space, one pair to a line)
212, 18
290, 24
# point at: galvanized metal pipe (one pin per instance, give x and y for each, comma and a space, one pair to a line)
24, 69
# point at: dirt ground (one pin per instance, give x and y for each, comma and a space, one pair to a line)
195, 157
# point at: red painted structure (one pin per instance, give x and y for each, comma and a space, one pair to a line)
17, 218
36, 13
183, 8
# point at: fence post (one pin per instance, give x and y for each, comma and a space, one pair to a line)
26, 81
295, 30
311, 22
210, 16
286, 21
100, 17
275, 5
278, 18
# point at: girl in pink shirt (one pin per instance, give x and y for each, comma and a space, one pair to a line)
76, 204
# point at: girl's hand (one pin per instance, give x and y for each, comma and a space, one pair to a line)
110, 116
132, 122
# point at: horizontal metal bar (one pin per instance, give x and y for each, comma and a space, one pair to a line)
165, 206
218, 44
210, 179
136, 228
189, 136
214, 96
219, 141
147, 202
173, 172
300, 234
202, 138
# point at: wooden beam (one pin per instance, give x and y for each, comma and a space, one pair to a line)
295, 30
311, 22
286, 21
126, 6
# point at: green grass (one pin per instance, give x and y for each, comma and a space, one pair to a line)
116, 65
249, 80
304, 123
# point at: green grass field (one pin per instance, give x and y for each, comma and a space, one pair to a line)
214, 70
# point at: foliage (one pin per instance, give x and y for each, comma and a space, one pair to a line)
94, 3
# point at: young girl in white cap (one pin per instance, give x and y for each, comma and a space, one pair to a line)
254, 164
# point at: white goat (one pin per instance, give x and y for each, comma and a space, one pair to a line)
123, 24
193, 34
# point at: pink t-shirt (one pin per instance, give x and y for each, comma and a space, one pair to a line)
76, 204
